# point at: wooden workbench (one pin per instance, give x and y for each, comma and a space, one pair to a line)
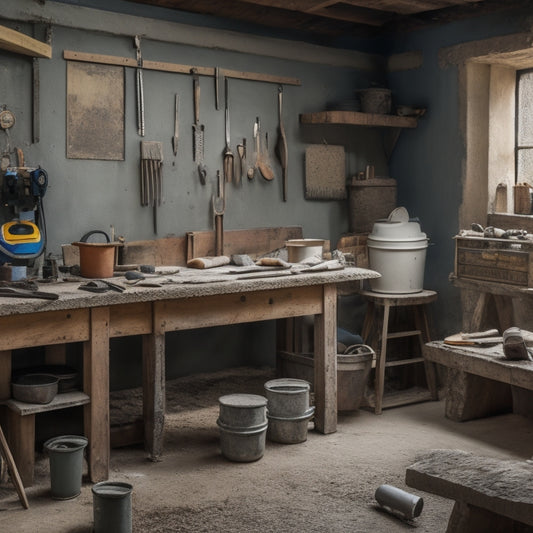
195, 299
481, 381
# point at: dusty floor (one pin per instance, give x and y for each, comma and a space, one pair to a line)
325, 484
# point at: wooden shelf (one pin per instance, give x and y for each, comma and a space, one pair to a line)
61, 401
20, 43
356, 118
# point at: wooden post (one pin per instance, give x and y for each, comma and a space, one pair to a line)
96, 385
325, 340
5, 374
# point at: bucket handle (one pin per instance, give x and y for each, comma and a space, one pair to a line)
87, 235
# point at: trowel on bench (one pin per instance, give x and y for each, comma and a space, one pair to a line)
478, 338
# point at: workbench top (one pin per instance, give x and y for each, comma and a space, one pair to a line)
186, 283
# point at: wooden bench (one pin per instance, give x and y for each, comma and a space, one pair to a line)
482, 382
489, 494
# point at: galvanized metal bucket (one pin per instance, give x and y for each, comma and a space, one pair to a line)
287, 397
112, 507
66, 465
242, 410
289, 430
243, 424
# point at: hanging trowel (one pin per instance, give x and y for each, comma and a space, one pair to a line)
198, 129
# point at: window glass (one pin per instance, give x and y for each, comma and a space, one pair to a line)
524, 127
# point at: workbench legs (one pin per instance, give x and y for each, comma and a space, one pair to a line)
154, 393
96, 385
325, 341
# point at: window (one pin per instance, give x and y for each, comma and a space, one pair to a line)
524, 127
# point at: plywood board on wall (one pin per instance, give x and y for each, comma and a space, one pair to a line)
95, 111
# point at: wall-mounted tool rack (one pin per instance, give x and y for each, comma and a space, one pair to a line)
177, 68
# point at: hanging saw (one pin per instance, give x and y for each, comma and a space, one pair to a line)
140, 87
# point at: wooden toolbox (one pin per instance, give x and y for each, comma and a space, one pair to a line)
499, 260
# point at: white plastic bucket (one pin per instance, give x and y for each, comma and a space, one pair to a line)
397, 250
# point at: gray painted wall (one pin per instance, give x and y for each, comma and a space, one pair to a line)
429, 162
86, 195
90, 194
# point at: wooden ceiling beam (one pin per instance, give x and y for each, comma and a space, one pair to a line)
406, 7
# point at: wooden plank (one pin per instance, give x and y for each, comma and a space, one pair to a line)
158, 252
325, 344
52, 327
21, 439
95, 91
154, 386
61, 401
6, 452
96, 385
356, 118
254, 242
20, 43
227, 309
178, 68
5, 374
130, 319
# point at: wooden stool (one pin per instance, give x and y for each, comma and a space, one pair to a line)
376, 334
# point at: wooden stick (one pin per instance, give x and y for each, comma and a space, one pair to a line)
177, 68
6, 452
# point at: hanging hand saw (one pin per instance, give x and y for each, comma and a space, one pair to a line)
140, 87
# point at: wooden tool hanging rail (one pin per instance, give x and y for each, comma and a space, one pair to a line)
177, 68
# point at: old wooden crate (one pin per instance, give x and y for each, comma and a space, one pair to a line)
499, 260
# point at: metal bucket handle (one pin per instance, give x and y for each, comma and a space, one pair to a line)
88, 234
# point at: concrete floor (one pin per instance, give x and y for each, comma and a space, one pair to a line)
325, 484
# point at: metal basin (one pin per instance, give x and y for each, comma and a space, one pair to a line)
35, 388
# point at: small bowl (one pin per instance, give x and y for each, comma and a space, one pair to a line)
35, 388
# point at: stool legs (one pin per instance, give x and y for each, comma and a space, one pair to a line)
375, 332
381, 359
421, 322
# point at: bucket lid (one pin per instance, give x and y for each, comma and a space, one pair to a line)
289, 385
112, 489
243, 401
66, 443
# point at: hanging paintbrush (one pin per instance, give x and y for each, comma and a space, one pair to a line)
152, 176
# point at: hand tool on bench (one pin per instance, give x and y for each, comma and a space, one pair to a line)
15, 477
175, 139
228, 154
219, 206
198, 129
140, 87
152, 176
281, 146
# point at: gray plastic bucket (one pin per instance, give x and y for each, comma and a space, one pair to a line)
112, 507
289, 430
66, 465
